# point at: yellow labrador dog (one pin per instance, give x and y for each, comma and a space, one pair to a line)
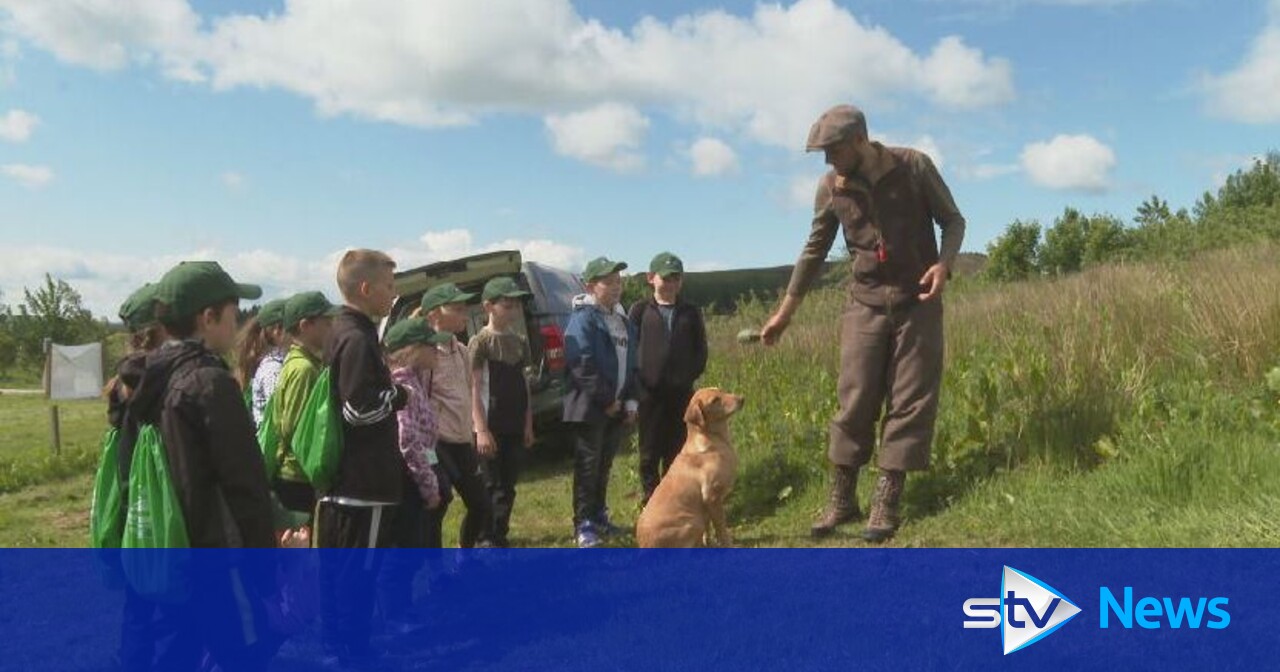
689, 501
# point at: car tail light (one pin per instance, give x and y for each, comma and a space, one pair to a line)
553, 348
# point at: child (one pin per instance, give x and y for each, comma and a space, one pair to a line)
215, 465
500, 399
137, 627
260, 356
449, 387
308, 319
356, 513
411, 354
672, 354
600, 399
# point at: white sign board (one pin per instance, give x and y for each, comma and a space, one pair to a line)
75, 371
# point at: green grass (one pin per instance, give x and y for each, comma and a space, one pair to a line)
1123, 406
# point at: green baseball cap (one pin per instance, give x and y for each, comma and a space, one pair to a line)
192, 286
599, 267
666, 264
411, 331
271, 314
139, 310
503, 288
443, 295
306, 305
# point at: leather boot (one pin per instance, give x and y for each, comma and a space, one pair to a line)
883, 521
842, 503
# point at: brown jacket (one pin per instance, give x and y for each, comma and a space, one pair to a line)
898, 213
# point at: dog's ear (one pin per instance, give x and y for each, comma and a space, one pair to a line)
693, 414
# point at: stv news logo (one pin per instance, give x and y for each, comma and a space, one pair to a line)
1027, 610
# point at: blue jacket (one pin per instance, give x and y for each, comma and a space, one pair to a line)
591, 357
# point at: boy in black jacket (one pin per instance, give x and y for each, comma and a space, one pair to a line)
673, 355
356, 512
215, 466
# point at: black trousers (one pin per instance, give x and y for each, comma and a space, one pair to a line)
295, 496
594, 447
434, 518
662, 434
348, 571
222, 620
500, 475
403, 560
461, 464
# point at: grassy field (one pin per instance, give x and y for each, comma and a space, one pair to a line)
1124, 406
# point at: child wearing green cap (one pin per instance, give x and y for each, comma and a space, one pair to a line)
500, 405
411, 353
447, 311
260, 352
214, 461
308, 320
137, 627
600, 401
672, 351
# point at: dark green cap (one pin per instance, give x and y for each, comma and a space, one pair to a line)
599, 267
271, 314
443, 295
666, 264
306, 305
503, 288
192, 286
411, 331
139, 310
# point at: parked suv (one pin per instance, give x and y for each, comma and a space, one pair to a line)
546, 315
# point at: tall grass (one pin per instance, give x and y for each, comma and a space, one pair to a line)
1133, 364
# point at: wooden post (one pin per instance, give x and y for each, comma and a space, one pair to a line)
55, 430
48, 366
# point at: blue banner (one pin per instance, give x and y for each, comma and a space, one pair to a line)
1078, 609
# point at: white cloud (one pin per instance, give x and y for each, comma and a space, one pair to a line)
31, 177
10, 52
987, 171
766, 74
1066, 3
233, 180
607, 135
104, 279
924, 143
111, 34
1073, 162
18, 125
712, 157
454, 243
1251, 92
801, 190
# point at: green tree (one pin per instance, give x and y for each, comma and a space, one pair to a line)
54, 311
1063, 248
1106, 240
634, 288
8, 345
1161, 233
1014, 255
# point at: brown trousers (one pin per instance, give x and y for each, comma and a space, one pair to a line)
890, 371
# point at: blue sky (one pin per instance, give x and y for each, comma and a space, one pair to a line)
271, 136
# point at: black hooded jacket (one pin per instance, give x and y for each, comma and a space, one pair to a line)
210, 443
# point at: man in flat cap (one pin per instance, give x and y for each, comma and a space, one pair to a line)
886, 201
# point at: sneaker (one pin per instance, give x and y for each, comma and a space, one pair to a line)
587, 536
605, 527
